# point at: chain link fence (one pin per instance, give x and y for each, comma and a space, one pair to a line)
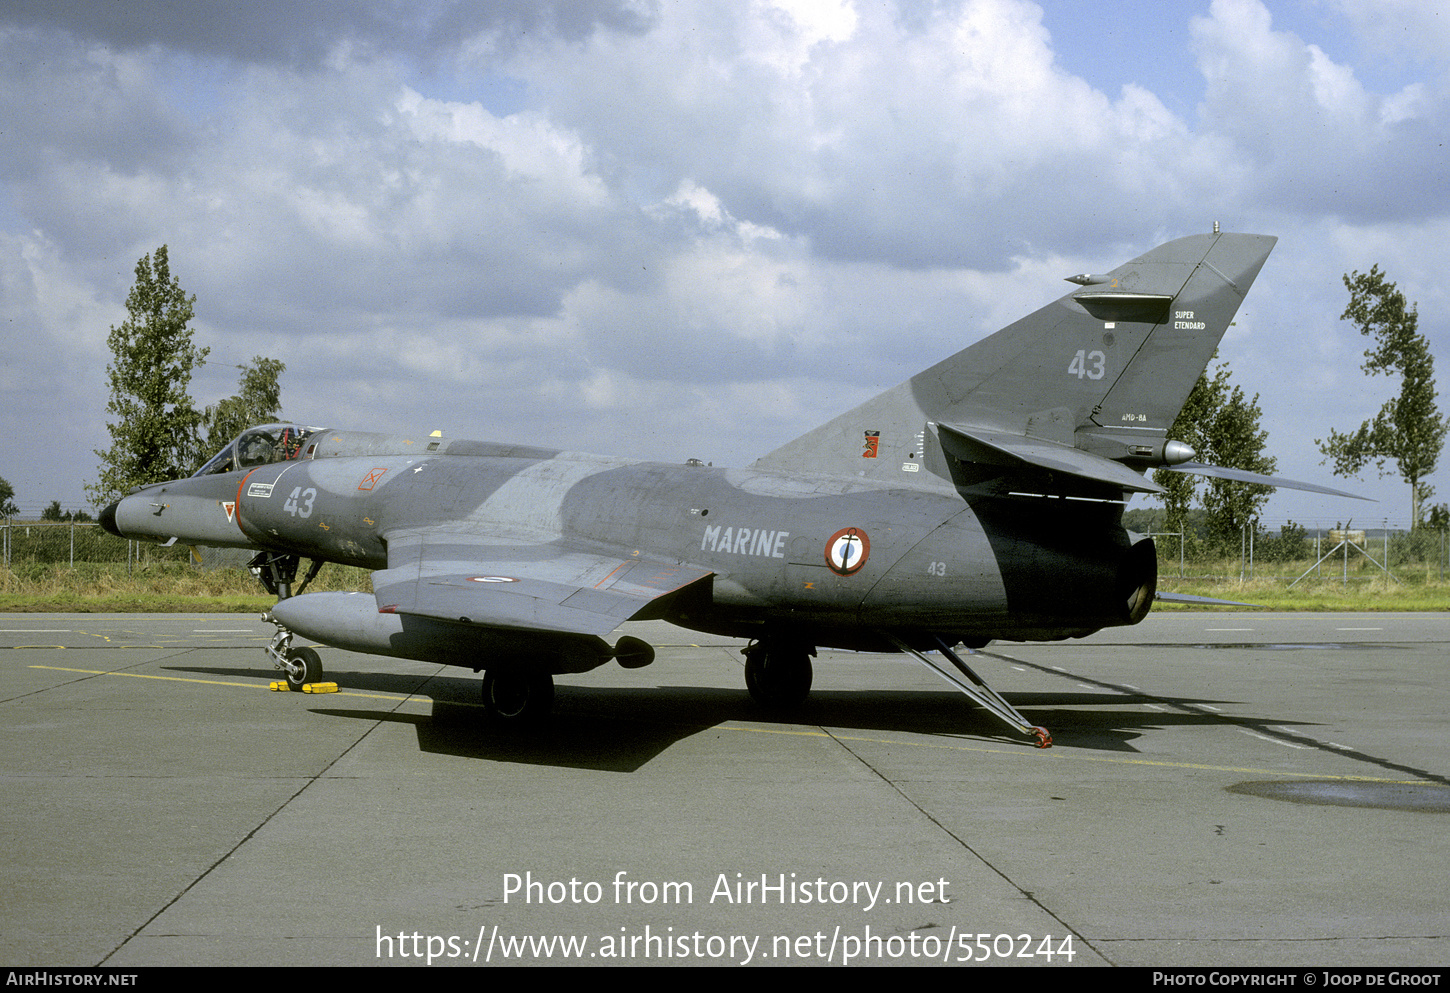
1297, 553
48, 543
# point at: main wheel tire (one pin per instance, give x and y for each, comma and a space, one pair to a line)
309, 670
516, 698
779, 678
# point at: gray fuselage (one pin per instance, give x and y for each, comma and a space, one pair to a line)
833, 559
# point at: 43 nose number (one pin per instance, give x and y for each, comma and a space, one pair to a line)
299, 501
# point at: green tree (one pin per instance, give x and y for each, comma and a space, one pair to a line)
1438, 517
1182, 488
154, 436
7, 499
258, 400
55, 513
1222, 427
1237, 443
1408, 430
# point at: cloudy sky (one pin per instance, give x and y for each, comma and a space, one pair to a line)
685, 228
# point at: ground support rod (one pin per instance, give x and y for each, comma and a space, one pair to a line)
973, 686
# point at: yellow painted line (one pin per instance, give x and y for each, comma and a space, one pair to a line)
218, 682
110, 644
1054, 754
142, 675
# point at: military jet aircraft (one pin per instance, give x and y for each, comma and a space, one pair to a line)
980, 499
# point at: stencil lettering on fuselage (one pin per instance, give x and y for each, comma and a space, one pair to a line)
745, 541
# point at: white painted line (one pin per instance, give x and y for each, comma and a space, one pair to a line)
1276, 741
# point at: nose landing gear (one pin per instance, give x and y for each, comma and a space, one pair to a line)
277, 573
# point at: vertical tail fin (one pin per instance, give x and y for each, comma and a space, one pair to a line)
1104, 369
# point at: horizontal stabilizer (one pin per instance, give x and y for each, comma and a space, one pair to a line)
1000, 448
1243, 476
1109, 305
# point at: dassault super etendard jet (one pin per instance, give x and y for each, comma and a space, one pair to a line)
980, 499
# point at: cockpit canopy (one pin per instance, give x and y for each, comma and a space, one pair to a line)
261, 445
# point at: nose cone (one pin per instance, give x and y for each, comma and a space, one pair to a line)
195, 510
108, 520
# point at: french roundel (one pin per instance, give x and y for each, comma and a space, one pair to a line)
847, 551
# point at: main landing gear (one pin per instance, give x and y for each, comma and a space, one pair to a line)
778, 673
521, 695
277, 573
517, 697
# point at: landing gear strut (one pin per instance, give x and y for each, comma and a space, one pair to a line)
278, 572
778, 673
301, 665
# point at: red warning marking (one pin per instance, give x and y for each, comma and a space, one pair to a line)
371, 479
230, 506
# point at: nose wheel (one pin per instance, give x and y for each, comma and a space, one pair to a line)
304, 666
300, 665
